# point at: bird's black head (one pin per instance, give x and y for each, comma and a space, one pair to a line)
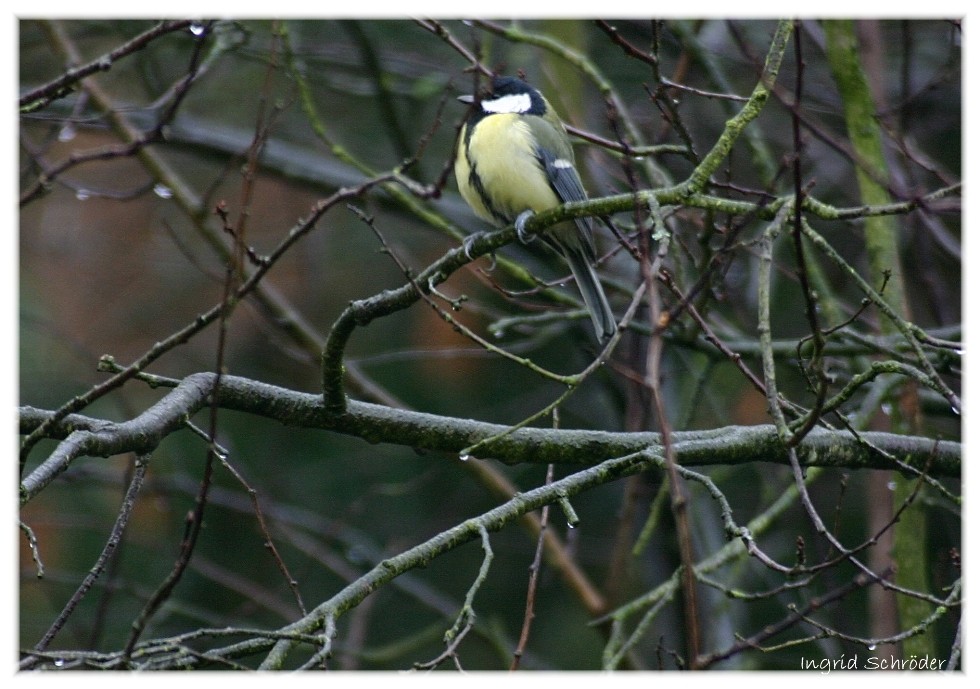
505, 86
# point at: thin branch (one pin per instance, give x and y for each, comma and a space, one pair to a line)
532, 584
42, 96
115, 537
202, 321
467, 615
134, 141
452, 538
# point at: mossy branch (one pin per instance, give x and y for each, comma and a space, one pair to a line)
85, 436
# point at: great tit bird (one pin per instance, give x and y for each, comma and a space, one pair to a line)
514, 159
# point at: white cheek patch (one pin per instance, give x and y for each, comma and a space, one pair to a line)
515, 103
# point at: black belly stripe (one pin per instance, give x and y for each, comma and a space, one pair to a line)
477, 184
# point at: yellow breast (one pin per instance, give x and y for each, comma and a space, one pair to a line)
501, 151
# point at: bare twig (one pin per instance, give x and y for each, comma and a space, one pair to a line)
43, 95
532, 583
115, 537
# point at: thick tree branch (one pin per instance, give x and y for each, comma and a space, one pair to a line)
85, 436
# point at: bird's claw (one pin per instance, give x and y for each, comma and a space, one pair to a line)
519, 224
468, 245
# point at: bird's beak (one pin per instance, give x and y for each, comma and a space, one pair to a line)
467, 98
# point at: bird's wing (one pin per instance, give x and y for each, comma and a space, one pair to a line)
562, 175
564, 179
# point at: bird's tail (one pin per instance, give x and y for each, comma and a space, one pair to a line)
592, 294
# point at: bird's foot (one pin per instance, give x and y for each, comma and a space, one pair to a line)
520, 223
468, 244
